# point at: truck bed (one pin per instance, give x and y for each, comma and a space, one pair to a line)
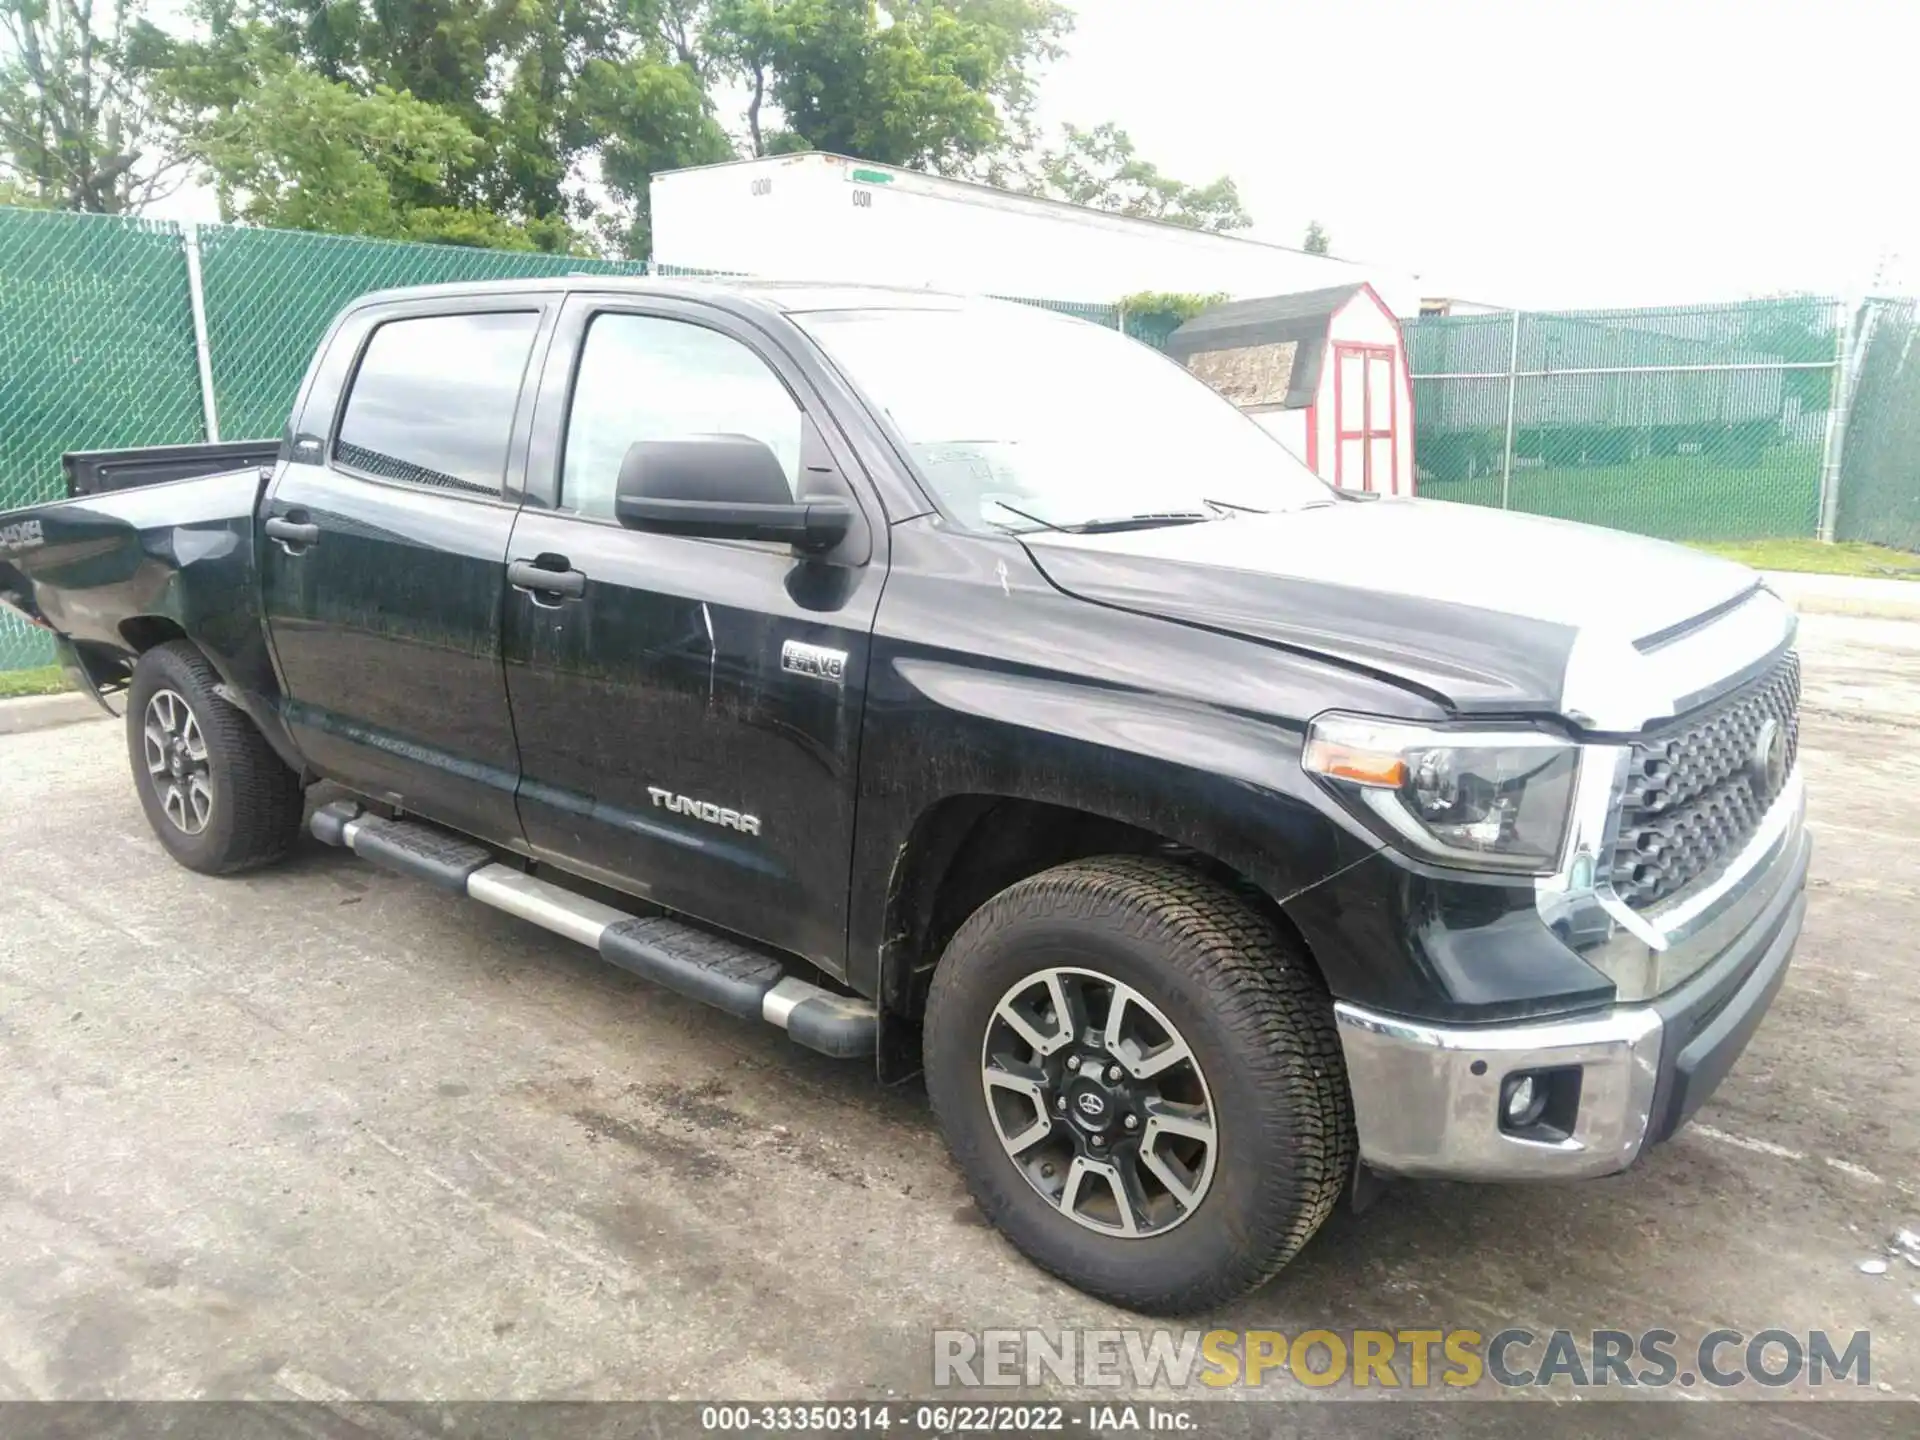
95, 472
107, 572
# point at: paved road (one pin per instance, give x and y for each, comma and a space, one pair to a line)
322, 1132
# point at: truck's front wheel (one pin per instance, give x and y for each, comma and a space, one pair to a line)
215, 793
1141, 1080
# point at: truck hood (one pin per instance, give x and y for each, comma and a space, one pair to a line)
1485, 611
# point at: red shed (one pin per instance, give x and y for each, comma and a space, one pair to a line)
1324, 370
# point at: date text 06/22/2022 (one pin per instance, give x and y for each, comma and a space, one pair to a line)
948, 1419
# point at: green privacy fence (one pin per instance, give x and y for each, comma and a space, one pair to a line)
95, 342
97, 336
270, 294
1879, 493
1694, 423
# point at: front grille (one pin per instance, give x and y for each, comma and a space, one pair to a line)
1696, 791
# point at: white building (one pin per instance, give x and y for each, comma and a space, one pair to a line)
825, 217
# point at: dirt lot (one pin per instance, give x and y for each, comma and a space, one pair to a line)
321, 1132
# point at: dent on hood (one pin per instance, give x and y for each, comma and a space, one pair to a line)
1479, 609
1460, 657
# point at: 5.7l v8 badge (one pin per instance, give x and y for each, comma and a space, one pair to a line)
815, 661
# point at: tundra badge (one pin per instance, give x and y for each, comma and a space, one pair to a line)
705, 810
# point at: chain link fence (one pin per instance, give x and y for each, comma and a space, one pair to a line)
97, 337
1879, 490
1694, 423
1698, 423
271, 294
96, 350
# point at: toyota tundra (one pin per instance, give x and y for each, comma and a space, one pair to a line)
971, 690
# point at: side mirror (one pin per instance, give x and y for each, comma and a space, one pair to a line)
723, 487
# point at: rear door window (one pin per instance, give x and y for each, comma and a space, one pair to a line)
433, 400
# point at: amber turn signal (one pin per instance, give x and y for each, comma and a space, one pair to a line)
1362, 767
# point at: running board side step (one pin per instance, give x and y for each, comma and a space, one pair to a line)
691, 962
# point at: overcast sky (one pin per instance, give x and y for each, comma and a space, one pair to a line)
1540, 153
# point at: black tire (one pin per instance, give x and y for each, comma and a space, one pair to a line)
256, 800
1259, 1023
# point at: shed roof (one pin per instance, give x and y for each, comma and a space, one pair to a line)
1265, 353
1303, 315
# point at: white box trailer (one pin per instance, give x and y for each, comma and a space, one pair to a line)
825, 217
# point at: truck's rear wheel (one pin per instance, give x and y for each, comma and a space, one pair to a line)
1141, 1079
215, 793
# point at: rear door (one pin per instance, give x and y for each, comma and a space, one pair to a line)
384, 557
689, 717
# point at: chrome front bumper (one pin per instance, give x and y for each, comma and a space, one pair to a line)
1427, 1098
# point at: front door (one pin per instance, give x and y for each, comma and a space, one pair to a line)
383, 563
1366, 404
689, 719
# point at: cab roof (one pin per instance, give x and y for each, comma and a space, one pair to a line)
785, 296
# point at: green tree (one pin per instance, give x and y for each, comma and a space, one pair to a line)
647, 112
1317, 241
541, 122
935, 84
505, 68
1100, 168
544, 88
302, 152
77, 127
11, 193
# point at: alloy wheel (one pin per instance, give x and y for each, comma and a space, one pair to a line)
1099, 1102
177, 764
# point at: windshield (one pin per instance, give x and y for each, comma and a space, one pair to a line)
1025, 420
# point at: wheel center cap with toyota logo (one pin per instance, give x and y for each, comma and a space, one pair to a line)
1091, 1107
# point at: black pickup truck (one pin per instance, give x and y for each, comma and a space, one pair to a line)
970, 689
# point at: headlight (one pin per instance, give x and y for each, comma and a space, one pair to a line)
1480, 799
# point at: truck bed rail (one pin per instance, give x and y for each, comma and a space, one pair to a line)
95, 472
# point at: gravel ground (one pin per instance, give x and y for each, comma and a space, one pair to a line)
322, 1132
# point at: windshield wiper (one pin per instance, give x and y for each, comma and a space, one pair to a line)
1138, 522
1024, 515
1109, 524
1229, 505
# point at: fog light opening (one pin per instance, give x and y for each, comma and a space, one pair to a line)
1523, 1102
1540, 1104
